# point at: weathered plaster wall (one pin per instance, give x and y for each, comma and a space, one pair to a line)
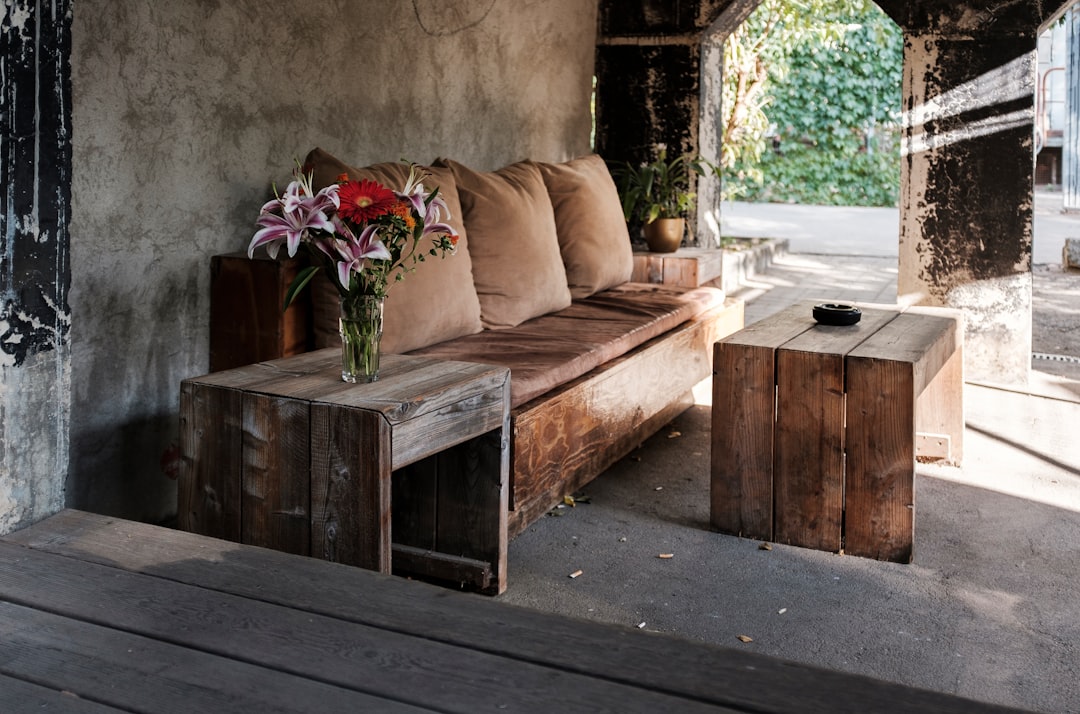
186, 111
35, 165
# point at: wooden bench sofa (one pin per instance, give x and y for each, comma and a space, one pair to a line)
540, 284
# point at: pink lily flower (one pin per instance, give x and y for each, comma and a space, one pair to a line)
292, 217
353, 251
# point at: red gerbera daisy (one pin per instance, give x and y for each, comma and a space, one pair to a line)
362, 201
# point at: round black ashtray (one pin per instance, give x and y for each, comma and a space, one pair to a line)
831, 314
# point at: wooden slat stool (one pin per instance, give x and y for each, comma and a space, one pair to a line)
816, 428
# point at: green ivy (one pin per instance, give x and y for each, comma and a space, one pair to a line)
833, 109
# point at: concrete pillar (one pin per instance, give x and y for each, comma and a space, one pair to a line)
968, 168
966, 189
35, 172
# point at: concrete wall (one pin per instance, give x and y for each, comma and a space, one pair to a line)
185, 112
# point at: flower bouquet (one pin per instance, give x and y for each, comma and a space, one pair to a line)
367, 235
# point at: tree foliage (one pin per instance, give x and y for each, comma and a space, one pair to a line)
811, 104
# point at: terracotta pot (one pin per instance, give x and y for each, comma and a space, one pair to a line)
664, 235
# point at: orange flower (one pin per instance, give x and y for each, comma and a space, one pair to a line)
403, 210
362, 201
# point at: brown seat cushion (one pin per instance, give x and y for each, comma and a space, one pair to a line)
593, 238
516, 265
548, 351
437, 302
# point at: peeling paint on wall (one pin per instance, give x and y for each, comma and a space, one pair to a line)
966, 191
35, 274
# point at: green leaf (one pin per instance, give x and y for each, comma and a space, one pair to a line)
299, 282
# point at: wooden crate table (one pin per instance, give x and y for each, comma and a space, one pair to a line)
284, 454
687, 267
816, 429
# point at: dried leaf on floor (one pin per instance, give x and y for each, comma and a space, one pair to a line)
744, 638
569, 501
765, 546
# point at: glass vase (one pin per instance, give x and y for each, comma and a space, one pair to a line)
360, 326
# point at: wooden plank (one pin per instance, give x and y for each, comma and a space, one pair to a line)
808, 476
737, 678
926, 341
473, 502
275, 480
350, 486
414, 503
809, 450
18, 696
741, 457
940, 407
681, 271
564, 439
343, 654
885, 375
208, 488
455, 423
880, 481
433, 565
647, 268
136, 673
743, 423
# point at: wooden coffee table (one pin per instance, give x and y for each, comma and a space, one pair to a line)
407, 473
815, 429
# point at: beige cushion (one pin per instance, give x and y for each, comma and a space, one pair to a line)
437, 302
593, 238
517, 269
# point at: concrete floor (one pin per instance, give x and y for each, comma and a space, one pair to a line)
988, 610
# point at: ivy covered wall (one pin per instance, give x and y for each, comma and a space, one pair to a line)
829, 110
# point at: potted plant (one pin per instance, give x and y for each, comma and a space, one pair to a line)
659, 194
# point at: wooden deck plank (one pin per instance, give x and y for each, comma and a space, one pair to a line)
736, 679
379, 662
18, 696
136, 673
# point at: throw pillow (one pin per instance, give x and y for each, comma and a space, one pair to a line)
517, 268
593, 238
